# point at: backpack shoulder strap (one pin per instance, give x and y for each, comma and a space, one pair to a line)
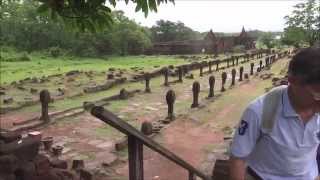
270, 106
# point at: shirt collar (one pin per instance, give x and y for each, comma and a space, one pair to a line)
287, 109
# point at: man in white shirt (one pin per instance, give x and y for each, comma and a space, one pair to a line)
277, 139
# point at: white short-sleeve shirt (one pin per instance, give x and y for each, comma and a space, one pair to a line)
288, 152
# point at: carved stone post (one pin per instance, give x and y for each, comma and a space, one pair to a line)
233, 74
251, 68
232, 60
241, 73
228, 65
45, 99
260, 65
267, 61
237, 60
212, 81
217, 68
224, 79
180, 73
201, 69
195, 91
246, 76
185, 69
170, 98
166, 74
210, 66
147, 78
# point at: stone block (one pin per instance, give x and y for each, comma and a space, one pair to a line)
42, 165
60, 164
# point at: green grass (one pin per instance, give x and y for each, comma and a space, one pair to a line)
41, 65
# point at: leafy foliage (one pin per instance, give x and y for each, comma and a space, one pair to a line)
267, 39
172, 31
303, 25
23, 28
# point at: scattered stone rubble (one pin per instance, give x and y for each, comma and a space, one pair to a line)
33, 158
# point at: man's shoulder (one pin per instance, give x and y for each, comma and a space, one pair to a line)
256, 106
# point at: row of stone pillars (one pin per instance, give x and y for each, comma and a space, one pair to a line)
184, 69
170, 96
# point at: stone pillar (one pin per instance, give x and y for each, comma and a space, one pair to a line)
233, 74
267, 61
45, 99
170, 98
186, 69
241, 73
195, 91
212, 81
228, 65
246, 76
210, 66
180, 74
223, 80
251, 68
147, 78
258, 69
166, 74
217, 68
146, 128
232, 61
260, 65
201, 69
237, 60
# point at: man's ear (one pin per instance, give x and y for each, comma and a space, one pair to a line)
294, 80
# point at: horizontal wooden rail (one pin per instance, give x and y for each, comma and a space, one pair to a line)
136, 138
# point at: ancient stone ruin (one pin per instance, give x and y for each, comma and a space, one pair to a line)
147, 78
195, 91
211, 86
251, 68
170, 98
30, 158
166, 74
223, 81
45, 99
241, 73
233, 74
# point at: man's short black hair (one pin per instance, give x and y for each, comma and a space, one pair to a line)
306, 64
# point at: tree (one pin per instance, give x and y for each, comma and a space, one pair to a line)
267, 39
305, 19
87, 15
294, 36
23, 28
165, 31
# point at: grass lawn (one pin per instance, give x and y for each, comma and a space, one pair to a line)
42, 65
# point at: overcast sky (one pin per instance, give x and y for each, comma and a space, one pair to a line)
218, 15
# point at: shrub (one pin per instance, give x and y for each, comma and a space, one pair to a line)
238, 49
55, 52
24, 57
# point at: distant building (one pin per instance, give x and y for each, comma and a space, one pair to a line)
210, 44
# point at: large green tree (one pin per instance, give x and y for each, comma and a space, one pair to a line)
165, 31
23, 28
303, 23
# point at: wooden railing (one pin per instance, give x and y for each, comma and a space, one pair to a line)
136, 140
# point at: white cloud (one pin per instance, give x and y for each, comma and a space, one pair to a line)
221, 16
